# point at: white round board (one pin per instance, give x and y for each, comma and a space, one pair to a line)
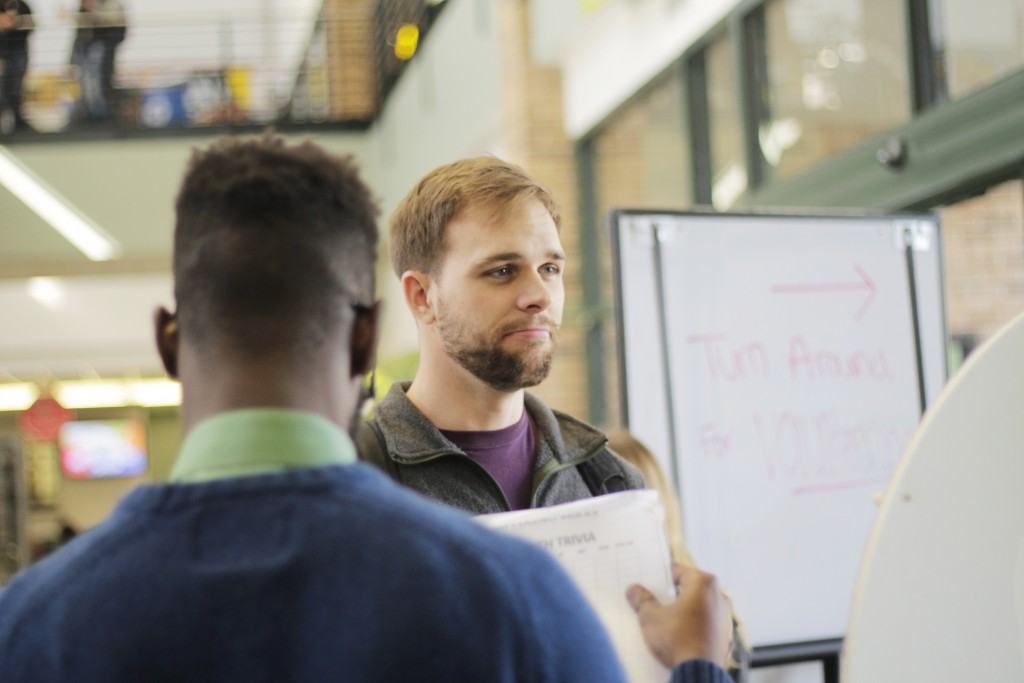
940, 595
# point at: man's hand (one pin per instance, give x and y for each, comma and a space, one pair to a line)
697, 625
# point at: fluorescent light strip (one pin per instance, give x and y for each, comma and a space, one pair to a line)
155, 392
150, 393
91, 394
75, 394
18, 396
87, 237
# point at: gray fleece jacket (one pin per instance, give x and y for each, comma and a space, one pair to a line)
417, 455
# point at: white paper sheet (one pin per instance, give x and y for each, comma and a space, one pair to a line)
606, 544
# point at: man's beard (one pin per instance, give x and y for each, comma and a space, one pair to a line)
490, 363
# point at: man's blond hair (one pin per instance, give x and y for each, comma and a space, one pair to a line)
417, 229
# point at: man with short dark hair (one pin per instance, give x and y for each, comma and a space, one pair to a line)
477, 248
272, 555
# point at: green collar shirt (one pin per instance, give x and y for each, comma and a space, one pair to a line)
242, 443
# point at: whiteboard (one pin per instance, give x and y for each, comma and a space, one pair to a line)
940, 596
772, 363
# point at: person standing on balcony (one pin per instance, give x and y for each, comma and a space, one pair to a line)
16, 24
101, 29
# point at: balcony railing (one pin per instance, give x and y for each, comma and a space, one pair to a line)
329, 63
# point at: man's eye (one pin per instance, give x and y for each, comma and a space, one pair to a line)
504, 271
551, 269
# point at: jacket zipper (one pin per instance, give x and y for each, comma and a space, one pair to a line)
565, 465
495, 486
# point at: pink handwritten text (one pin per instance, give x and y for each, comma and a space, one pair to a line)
821, 447
735, 362
826, 364
715, 442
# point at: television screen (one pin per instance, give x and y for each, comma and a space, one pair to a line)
92, 449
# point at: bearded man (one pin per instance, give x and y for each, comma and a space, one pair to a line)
476, 246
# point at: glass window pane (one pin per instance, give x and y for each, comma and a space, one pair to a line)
980, 41
728, 168
837, 74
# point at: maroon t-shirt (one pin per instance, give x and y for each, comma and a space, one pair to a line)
507, 455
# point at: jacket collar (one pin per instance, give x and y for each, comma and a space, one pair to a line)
411, 437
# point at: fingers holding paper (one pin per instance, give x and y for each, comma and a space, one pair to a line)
697, 625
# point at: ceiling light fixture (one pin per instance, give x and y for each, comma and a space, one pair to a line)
18, 396
87, 237
98, 393
46, 290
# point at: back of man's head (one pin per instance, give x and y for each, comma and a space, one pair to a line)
270, 242
416, 236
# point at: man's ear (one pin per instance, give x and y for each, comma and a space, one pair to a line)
415, 288
167, 339
364, 338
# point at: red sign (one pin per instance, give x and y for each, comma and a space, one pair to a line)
43, 419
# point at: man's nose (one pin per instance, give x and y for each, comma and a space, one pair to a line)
535, 294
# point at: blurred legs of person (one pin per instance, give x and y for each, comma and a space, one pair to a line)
13, 78
93, 91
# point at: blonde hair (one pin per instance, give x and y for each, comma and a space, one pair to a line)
416, 232
636, 453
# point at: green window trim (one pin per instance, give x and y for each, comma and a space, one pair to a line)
950, 151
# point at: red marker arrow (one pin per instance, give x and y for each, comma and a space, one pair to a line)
865, 283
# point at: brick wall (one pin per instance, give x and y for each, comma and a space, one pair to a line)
641, 161
532, 136
348, 30
983, 250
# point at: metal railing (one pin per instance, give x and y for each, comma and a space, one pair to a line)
255, 65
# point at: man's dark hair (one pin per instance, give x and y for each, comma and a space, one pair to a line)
272, 244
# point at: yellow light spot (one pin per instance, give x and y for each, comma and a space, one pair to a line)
592, 5
406, 40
